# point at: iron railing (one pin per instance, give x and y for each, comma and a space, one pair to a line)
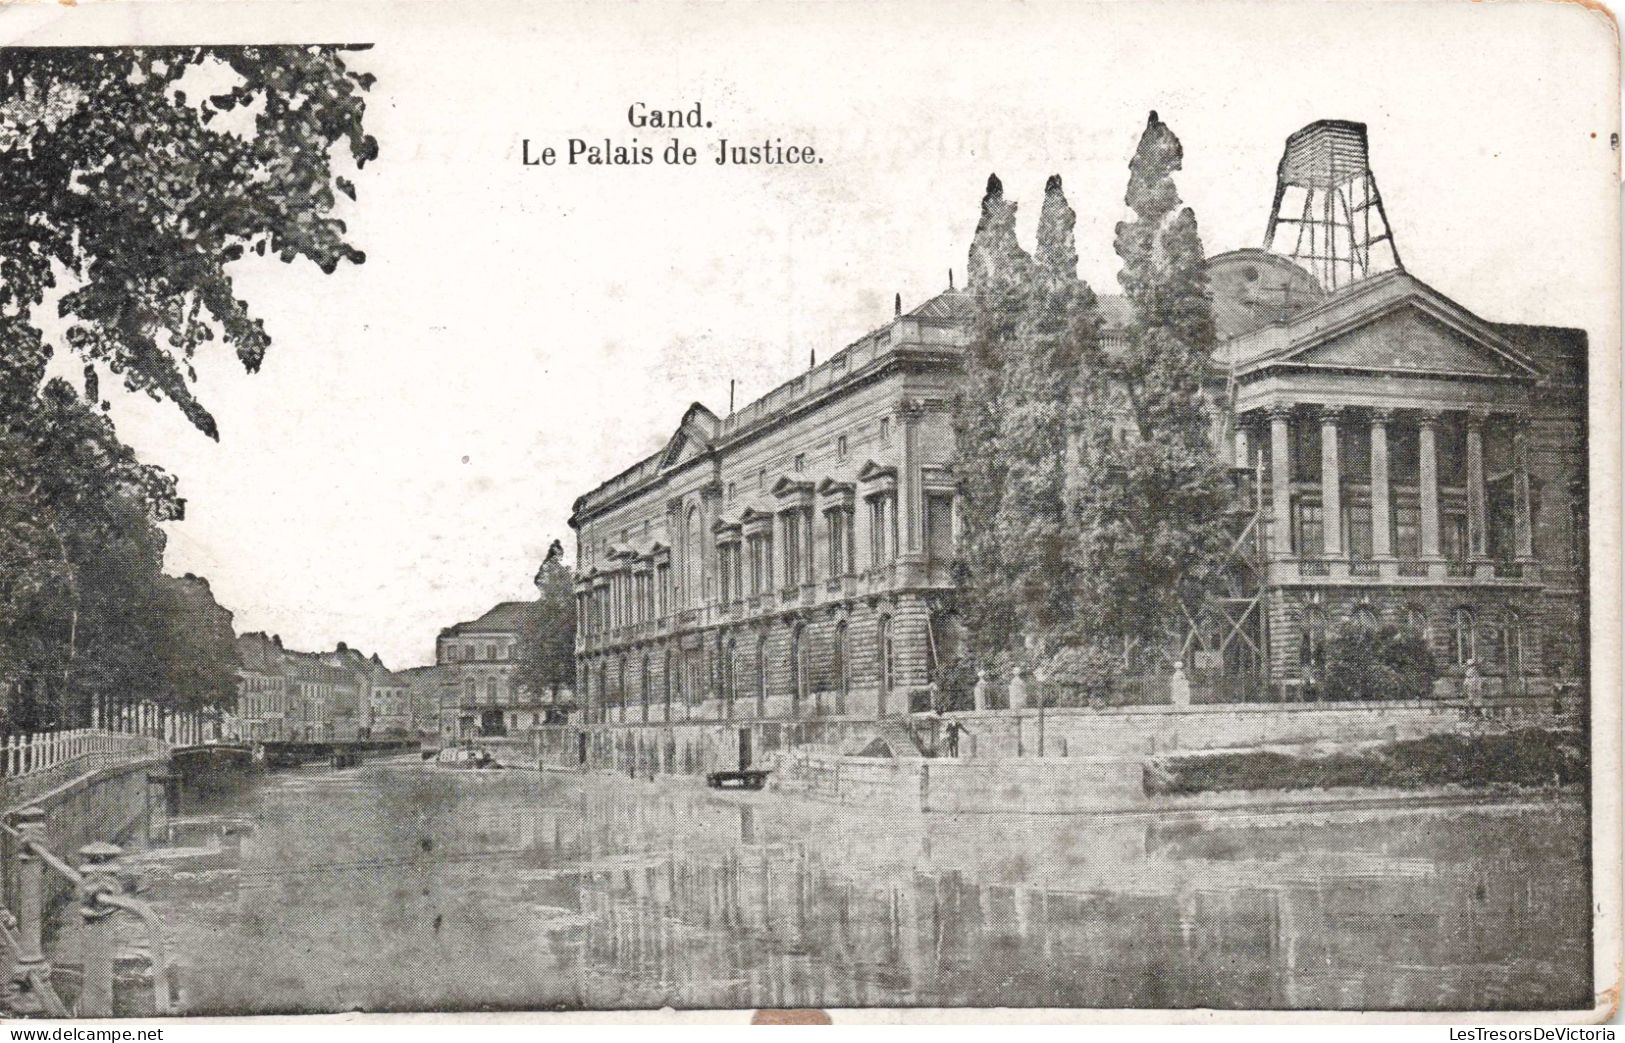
99, 887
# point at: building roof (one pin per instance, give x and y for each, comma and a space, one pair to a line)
1263, 304
508, 617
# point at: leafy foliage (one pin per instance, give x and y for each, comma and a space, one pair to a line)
133, 179
142, 191
1378, 661
999, 274
1526, 757
547, 645
1058, 325
1092, 495
1149, 514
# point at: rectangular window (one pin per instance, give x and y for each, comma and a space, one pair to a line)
1358, 528
882, 528
1308, 537
939, 526
840, 448
1453, 537
801, 462
837, 542
792, 547
731, 492
758, 564
1408, 532
885, 430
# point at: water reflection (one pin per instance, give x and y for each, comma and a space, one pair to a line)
402, 887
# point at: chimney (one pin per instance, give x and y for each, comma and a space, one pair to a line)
897, 306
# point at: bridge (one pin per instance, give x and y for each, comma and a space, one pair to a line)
338, 752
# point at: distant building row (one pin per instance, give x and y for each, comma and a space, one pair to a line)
287, 695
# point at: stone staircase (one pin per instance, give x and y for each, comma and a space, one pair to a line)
895, 732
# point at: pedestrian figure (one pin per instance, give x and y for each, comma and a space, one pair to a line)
953, 730
979, 692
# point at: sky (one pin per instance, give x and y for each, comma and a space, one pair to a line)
423, 422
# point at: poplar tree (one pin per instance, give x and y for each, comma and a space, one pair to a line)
998, 281
1150, 490
1058, 325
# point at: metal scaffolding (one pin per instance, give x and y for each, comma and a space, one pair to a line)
1342, 231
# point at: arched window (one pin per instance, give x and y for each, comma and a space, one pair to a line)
798, 668
1312, 645
646, 686
691, 555
1365, 617
1512, 645
668, 682
883, 651
843, 673
470, 695
1416, 621
729, 692
1465, 637
761, 676
603, 691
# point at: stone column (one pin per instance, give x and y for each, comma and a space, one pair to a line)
1428, 478
910, 483
1523, 519
1477, 512
1382, 546
1280, 483
1331, 483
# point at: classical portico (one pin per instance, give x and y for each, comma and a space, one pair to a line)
1353, 511
1406, 455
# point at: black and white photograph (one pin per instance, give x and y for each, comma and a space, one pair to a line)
809, 512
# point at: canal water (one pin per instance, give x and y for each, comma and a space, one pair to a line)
401, 886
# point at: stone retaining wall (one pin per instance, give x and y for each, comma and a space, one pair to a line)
1009, 736
102, 805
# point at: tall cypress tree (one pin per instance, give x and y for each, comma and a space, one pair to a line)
998, 280
1150, 496
1058, 324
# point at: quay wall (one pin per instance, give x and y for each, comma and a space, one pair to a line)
100, 805
947, 784
1005, 738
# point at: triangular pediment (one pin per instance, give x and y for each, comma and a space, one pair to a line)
692, 437
1409, 340
874, 472
1393, 323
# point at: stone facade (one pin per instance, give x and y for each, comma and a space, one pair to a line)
785, 561
1395, 457
1410, 460
480, 693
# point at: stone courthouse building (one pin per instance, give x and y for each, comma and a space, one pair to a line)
1395, 454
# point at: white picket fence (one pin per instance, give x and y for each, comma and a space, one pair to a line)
87, 749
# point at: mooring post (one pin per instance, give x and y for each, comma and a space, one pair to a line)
99, 867
30, 894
